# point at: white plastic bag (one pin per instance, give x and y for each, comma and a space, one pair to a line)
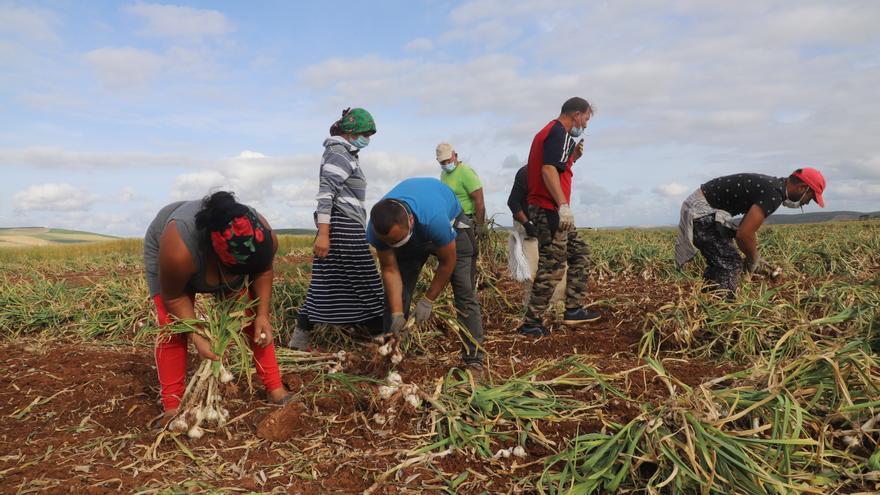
517, 263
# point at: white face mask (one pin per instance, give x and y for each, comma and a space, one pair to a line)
448, 167
794, 204
405, 239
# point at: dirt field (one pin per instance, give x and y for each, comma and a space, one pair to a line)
80, 418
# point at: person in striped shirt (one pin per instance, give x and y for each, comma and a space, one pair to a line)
345, 288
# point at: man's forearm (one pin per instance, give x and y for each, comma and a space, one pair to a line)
551, 181
520, 217
393, 290
480, 214
748, 244
441, 278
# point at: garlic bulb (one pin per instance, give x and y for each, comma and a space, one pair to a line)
195, 432
414, 400
179, 424
502, 453
211, 414
385, 392
225, 375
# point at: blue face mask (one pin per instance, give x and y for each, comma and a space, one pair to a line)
576, 131
360, 142
448, 167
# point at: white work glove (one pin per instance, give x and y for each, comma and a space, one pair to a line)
566, 217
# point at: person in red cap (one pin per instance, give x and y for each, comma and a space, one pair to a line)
707, 222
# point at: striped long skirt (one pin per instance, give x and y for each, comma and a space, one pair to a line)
345, 286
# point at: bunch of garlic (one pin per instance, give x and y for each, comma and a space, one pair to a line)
410, 392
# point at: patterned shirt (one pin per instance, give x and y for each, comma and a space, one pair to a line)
737, 193
342, 185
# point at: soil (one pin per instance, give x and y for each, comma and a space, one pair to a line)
283, 424
81, 418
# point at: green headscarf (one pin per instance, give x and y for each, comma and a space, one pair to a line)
356, 121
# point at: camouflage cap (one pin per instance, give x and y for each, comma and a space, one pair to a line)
357, 121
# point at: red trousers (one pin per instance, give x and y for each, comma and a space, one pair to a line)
171, 360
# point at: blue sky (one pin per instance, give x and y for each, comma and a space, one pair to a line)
113, 109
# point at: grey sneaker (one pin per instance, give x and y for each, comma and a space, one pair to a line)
299, 340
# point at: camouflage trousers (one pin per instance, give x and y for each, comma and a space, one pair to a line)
723, 261
556, 250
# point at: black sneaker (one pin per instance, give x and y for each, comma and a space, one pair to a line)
580, 315
533, 331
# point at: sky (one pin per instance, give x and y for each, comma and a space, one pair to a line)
111, 110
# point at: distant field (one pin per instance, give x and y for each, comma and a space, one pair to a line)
41, 236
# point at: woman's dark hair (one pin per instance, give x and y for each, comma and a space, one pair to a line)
334, 129
217, 211
242, 243
794, 179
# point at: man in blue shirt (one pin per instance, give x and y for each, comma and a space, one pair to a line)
418, 218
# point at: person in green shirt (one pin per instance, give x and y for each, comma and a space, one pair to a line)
464, 182
466, 185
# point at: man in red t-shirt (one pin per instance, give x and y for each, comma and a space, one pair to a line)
551, 157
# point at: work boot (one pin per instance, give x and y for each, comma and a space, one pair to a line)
580, 315
299, 339
533, 331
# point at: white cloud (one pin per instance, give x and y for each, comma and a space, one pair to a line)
45, 157
52, 197
672, 190
30, 23
176, 21
259, 179
488, 83
126, 195
695, 88
691, 90
490, 34
197, 184
125, 68
419, 45
825, 23
340, 71
479, 10
512, 162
